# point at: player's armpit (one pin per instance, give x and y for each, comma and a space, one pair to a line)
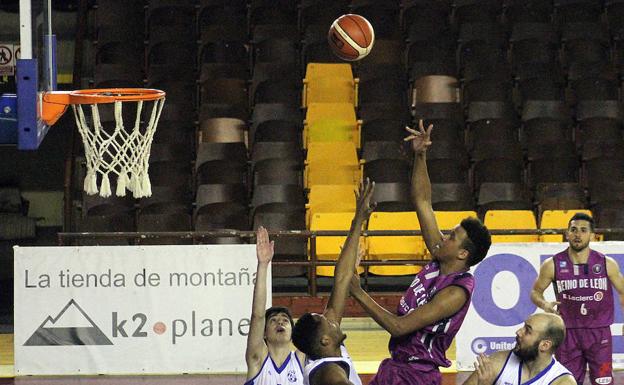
330, 374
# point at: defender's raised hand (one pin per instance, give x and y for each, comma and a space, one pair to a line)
264, 247
364, 207
420, 138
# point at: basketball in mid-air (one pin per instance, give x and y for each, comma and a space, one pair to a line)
351, 37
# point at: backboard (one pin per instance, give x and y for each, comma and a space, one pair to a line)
35, 74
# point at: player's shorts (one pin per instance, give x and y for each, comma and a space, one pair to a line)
399, 373
583, 347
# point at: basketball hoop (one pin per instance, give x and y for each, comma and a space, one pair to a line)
120, 150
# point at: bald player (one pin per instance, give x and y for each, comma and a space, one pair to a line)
531, 361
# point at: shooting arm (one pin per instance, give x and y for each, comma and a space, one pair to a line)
446, 303
421, 197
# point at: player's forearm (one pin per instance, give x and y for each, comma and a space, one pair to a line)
538, 299
260, 291
421, 184
387, 320
348, 254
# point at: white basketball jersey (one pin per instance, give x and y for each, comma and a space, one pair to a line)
511, 374
344, 361
290, 373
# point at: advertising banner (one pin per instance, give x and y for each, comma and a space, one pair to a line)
133, 309
501, 300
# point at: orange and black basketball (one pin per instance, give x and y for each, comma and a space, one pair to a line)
351, 37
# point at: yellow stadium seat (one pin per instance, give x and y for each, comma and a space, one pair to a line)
323, 70
332, 174
333, 153
329, 82
557, 219
447, 220
384, 248
322, 111
509, 220
330, 198
331, 130
328, 248
329, 90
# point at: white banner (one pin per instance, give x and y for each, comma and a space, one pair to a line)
131, 309
501, 300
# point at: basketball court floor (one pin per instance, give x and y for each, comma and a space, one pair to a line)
367, 347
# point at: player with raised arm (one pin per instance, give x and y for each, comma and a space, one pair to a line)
270, 358
319, 335
531, 361
434, 306
582, 280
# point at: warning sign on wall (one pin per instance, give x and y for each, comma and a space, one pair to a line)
7, 59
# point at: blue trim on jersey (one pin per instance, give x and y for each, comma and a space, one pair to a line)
539, 375
250, 381
503, 368
298, 362
281, 368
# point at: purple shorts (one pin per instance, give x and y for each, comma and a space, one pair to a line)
583, 347
399, 373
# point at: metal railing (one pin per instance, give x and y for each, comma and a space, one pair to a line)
200, 237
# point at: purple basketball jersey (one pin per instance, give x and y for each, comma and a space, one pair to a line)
584, 291
428, 345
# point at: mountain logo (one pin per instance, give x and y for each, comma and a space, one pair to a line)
72, 326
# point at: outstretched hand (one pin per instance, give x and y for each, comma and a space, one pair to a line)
420, 138
264, 247
484, 369
364, 207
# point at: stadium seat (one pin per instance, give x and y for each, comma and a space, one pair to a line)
372, 111
105, 223
321, 11
330, 198
165, 222
333, 153
331, 130
275, 122
578, 11
223, 130
503, 196
166, 199
378, 130
509, 220
419, 11
559, 196
585, 41
221, 163
290, 249
447, 220
451, 197
517, 11
327, 173
381, 71
278, 171
171, 174
322, 111
328, 247
383, 90
533, 42
467, 11
284, 91
557, 219
387, 248
272, 12
392, 197
277, 198
386, 162
435, 89
383, 16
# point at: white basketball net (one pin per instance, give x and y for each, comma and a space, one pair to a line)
123, 152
